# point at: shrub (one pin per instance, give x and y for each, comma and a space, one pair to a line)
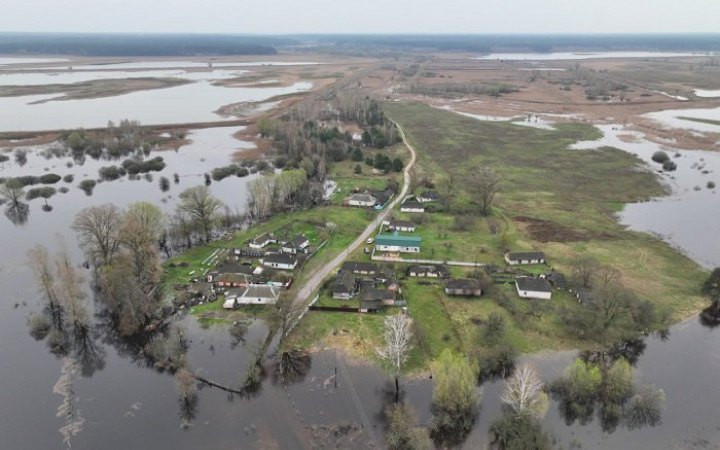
711, 185
660, 157
50, 178
4, 158
111, 173
69, 178
669, 166
134, 167
87, 186
219, 173
41, 192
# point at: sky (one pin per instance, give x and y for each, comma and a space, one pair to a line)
362, 16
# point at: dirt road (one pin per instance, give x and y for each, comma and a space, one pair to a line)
313, 283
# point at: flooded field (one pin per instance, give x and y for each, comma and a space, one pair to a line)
697, 119
580, 55
188, 103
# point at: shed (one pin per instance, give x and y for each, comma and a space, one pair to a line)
466, 287
519, 258
531, 287
412, 206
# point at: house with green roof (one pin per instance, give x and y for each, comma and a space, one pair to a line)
397, 243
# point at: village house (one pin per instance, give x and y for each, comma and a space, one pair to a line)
344, 287
231, 280
360, 267
400, 225
428, 196
384, 274
411, 206
373, 299
281, 261
357, 138
261, 241
297, 245
397, 243
428, 271
273, 277
255, 294
228, 268
520, 258
382, 197
248, 252
531, 287
463, 287
361, 200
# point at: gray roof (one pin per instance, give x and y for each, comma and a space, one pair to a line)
262, 238
430, 194
280, 259
412, 204
363, 198
517, 256
374, 294
345, 282
359, 266
402, 223
533, 284
299, 240
235, 268
463, 283
431, 268
260, 291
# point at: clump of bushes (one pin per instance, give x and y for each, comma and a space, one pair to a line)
134, 167
660, 157
111, 173
50, 178
69, 178
669, 166
711, 185
87, 186
41, 192
4, 158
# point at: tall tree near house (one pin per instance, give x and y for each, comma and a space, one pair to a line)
584, 271
97, 228
398, 336
483, 185
202, 206
261, 192
139, 233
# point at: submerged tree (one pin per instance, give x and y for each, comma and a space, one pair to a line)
200, 204
402, 433
455, 398
98, 229
524, 394
395, 352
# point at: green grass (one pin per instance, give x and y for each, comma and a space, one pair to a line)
552, 199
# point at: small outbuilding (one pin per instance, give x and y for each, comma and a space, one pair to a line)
522, 258
262, 241
297, 245
465, 287
281, 261
360, 267
428, 271
428, 196
401, 225
531, 287
412, 206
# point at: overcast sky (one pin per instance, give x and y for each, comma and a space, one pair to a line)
362, 16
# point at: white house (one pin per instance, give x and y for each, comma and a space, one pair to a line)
261, 241
362, 200
297, 245
281, 261
530, 287
255, 294
398, 244
401, 225
520, 258
412, 207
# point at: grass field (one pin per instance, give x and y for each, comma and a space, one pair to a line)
552, 199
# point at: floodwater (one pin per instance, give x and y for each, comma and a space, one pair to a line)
583, 55
708, 93
190, 103
689, 218
8, 61
674, 118
127, 404
188, 64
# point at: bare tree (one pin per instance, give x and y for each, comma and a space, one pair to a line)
398, 334
139, 233
524, 392
584, 270
260, 199
97, 228
202, 206
483, 185
12, 191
